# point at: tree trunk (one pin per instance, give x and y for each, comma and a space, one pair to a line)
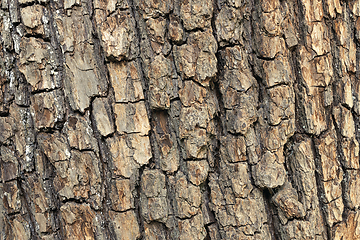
185, 119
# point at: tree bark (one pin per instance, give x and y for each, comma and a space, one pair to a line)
184, 119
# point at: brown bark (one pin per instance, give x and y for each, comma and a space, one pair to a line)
185, 119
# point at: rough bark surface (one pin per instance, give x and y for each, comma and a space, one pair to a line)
179, 119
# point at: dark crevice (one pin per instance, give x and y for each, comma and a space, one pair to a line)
25, 200
337, 89
31, 3
145, 85
266, 58
104, 154
207, 192
38, 36
46, 90
73, 200
105, 175
170, 191
221, 117
298, 86
344, 170
288, 151
320, 187
277, 85
220, 120
260, 85
271, 214
138, 203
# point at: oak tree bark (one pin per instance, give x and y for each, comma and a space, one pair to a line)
184, 119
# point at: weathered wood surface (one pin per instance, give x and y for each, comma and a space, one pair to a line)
179, 119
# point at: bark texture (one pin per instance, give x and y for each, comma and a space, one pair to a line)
179, 119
